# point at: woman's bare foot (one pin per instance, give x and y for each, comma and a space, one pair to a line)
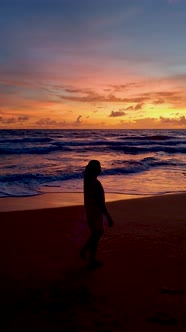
94, 264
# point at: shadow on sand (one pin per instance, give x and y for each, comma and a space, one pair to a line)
66, 305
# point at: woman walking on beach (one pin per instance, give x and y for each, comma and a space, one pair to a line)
95, 208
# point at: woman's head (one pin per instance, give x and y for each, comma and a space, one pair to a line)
93, 169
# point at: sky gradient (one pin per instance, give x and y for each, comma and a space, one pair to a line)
93, 64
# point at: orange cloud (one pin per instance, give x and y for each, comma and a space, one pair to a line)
181, 121
117, 113
158, 123
56, 104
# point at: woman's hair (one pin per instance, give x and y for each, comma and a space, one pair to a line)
92, 170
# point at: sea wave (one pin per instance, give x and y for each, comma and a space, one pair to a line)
39, 177
32, 150
34, 159
25, 140
128, 147
145, 149
18, 190
150, 137
127, 167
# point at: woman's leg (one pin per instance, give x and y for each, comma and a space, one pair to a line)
86, 247
94, 245
91, 245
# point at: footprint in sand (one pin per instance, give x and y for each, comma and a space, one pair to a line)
171, 291
162, 318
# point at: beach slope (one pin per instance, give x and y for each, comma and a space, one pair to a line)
141, 286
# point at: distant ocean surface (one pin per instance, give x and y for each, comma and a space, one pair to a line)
134, 162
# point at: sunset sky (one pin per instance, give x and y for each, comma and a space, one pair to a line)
93, 64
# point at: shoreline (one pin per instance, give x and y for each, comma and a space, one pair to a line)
53, 200
64, 199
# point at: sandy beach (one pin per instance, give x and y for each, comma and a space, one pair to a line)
140, 287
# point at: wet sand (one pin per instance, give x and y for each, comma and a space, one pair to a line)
141, 286
52, 200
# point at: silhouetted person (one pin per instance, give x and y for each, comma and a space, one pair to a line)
94, 201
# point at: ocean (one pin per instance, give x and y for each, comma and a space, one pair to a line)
134, 162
